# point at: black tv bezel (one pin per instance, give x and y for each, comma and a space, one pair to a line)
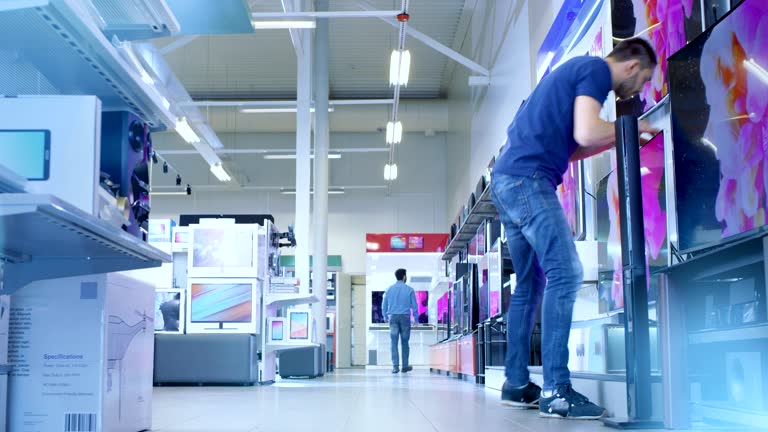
46, 151
713, 245
191, 305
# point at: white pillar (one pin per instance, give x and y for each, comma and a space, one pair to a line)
322, 138
303, 167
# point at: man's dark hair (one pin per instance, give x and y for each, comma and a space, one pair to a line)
400, 274
635, 49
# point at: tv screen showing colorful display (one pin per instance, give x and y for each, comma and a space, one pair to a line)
666, 25
277, 330
422, 300
217, 302
299, 325
611, 286
377, 314
569, 193
442, 308
398, 243
719, 99
416, 242
222, 248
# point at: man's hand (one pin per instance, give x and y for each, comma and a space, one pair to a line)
647, 132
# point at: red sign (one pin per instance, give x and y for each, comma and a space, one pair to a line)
408, 243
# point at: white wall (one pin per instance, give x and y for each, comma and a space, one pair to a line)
417, 202
504, 37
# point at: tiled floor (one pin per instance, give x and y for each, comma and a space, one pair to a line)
355, 400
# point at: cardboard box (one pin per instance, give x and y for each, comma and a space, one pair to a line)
82, 352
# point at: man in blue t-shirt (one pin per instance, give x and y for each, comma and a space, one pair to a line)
560, 122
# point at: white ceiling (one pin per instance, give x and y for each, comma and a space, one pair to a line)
263, 65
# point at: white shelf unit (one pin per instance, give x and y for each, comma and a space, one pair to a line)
60, 49
270, 305
46, 238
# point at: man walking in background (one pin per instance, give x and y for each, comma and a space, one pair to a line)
399, 301
560, 122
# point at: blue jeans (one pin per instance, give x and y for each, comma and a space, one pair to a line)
546, 265
400, 328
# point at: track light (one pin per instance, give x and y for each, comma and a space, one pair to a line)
178, 180
154, 156
394, 132
399, 67
185, 131
165, 167
218, 170
189, 190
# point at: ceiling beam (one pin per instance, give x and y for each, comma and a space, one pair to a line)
331, 14
178, 43
290, 6
283, 103
432, 43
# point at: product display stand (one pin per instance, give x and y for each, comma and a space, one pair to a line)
636, 326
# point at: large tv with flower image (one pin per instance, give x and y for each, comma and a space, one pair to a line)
610, 284
719, 100
666, 25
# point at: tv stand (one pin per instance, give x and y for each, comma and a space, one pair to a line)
714, 336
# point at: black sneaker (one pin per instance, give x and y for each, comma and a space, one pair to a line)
567, 403
407, 369
525, 397
396, 370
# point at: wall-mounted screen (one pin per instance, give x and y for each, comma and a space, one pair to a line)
221, 303
720, 126
26, 152
416, 242
299, 325
221, 247
169, 311
377, 314
398, 242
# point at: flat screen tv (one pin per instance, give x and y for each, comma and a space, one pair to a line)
169, 311
398, 243
422, 300
298, 325
221, 302
718, 95
416, 242
277, 329
223, 251
610, 284
377, 313
570, 193
442, 308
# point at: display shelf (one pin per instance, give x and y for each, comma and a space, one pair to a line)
46, 238
758, 331
10, 182
483, 209
283, 300
62, 49
285, 346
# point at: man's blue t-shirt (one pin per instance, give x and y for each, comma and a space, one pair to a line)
540, 138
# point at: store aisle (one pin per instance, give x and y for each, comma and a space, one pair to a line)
355, 400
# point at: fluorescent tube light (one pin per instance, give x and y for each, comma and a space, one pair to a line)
390, 172
399, 67
394, 172
761, 74
283, 24
275, 110
394, 132
218, 170
185, 131
331, 191
287, 156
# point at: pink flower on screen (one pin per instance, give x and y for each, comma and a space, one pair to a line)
654, 217
566, 193
668, 36
614, 238
737, 127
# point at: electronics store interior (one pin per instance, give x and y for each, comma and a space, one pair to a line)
205, 207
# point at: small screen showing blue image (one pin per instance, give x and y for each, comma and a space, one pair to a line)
26, 152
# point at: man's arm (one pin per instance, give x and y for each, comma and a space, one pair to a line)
593, 134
